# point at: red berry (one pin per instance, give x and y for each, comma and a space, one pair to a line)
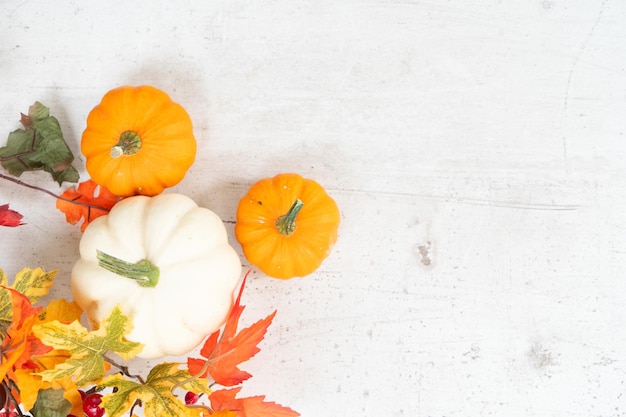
191, 398
91, 405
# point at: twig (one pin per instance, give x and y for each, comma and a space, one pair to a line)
50, 193
124, 369
8, 386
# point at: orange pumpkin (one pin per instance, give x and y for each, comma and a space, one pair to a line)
286, 225
138, 141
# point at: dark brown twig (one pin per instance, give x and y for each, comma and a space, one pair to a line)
50, 193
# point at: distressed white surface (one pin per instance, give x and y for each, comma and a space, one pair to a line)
475, 148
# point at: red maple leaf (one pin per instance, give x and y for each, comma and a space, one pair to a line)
10, 218
83, 203
224, 400
223, 353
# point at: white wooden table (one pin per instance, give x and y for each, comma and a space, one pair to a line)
476, 151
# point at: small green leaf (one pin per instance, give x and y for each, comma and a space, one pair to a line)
51, 403
39, 145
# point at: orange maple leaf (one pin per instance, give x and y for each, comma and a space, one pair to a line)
225, 352
224, 400
19, 344
88, 202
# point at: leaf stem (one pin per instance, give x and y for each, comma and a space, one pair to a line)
123, 368
50, 193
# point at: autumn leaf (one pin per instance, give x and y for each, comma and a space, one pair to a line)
6, 310
29, 382
16, 344
51, 403
155, 393
61, 310
225, 413
39, 145
87, 349
224, 400
88, 202
38, 356
33, 283
225, 352
10, 218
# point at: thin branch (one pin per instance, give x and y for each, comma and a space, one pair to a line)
124, 369
9, 390
50, 193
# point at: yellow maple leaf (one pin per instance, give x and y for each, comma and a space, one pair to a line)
33, 283
6, 311
61, 310
86, 363
155, 394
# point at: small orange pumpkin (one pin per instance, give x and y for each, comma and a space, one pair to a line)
286, 225
138, 141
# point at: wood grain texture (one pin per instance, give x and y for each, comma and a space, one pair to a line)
475, 149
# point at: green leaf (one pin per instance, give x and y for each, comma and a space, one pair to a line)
156, 393
33, 283
51, 403
87, 349
6, 311
39, 145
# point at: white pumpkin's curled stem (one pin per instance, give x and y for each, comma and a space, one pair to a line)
144, 272
286, 224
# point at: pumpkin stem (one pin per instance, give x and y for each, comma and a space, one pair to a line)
129, 143
286, 224
144, 272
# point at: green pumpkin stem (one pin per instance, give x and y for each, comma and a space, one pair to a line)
128, 143
144, 272
286, 224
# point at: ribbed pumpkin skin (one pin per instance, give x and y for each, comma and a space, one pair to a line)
276, 254
168, 146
